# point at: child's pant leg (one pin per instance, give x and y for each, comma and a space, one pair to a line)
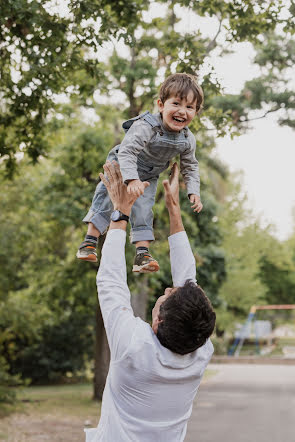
141, 217
101, 208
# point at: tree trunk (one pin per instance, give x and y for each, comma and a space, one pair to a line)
139, 300
131, 91
101, 358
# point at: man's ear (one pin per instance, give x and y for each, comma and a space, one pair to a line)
155, 325
160, 105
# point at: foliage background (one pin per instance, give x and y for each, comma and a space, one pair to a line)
58, 120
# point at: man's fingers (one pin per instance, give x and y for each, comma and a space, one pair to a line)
174, 172
167, 190
104, 180
117, 170
174, 168
166, 185
109, 168
146, 184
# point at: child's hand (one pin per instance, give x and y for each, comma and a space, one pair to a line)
197, 205
135, 187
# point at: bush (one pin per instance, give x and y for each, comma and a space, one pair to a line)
62, 349
221, 346
39, 345
7, 382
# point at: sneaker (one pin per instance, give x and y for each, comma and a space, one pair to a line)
145, 263
87, 252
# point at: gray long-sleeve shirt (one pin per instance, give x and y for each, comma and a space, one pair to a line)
148, 147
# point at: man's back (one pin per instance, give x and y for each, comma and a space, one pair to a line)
154, 388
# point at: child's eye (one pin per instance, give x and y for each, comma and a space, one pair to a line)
176, 102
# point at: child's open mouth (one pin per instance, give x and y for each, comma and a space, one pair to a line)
179, 120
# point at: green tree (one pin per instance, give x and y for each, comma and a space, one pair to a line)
47, 310
259, 267
44, 53
276, 272
244, 242
48, 272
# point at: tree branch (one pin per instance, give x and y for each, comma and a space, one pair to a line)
213, 43
274, 109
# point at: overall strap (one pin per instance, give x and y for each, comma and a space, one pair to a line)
151, 119
146, 116
185, 131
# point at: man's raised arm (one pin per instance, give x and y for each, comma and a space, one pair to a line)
183, 265
113, 292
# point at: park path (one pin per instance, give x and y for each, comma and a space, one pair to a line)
245, 403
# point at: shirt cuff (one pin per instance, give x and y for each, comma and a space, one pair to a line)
192, 188
129, 174
115, 235
178, 239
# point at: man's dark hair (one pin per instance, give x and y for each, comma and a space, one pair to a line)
180, 85
188, 319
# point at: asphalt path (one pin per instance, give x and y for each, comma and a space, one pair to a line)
245, 403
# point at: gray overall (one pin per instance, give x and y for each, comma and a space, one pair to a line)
144, 153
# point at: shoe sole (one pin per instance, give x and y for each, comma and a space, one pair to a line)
147, 268
90, 258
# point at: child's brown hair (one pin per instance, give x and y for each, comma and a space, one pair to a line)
180, 85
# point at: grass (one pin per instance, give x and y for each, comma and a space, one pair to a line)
77, 399
53, 413
62, 411
250, 349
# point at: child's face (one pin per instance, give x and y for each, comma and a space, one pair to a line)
177, 113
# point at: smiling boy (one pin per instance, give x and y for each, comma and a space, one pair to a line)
151, 141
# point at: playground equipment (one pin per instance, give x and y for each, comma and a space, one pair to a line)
239, 341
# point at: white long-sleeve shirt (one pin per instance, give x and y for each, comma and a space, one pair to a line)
149, 390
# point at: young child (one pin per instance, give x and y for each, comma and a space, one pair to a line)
151, 141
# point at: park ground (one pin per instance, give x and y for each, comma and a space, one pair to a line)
53, 413
245, 403
235, 403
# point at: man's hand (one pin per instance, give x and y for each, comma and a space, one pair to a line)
135, 187
117, 190
197, 205
171, 188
